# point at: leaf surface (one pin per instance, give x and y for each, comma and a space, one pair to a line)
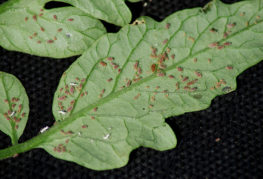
115, 97
25, 26
14, 107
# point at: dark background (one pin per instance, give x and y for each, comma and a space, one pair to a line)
234, 119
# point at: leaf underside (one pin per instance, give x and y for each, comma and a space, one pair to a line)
25, 26
14, 107
115, 97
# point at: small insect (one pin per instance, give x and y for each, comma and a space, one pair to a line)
213, 45
55, 17
41, 14
102, 63
109, 80
35, 17
180, 69
62, 112
60, 29
231, 25
167, 26
165, 41
50, 41
73, 84
12, 113
26, 19
71, 19
153, 67
213, 30
106, 136
44, 129
42, 29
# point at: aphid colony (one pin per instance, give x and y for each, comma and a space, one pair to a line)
15, 113
36, 36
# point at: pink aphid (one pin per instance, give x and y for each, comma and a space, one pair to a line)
62, 98
55, 17
35, 17
227, 43
213, 45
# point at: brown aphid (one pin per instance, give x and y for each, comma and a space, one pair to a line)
153, 98
229, 67
137, 96
50, 41
72, 102
171, 77
213, 30
95, 109
177, 85
41, 14
187, 88
195, 60
213, 45
137, 79
92, 117
173, 56
102, 63
35, 34
19, 108
161, 74
41, 10
109, 80
42, 29
136, 65
110, 58
71, 19
227, 43
168, 50
191, 38
16, 126
82, 94
55, 17
129, 82
153, 67
67, 141
13, 106
185, 79
231, 25
39, 42
209, 60
84, 126
180, 69
167, 26
30, 37
150, 106
55, 38
220, 47
26, 19
139, 70
165, 41
6, 101
192, 82
35, 17
198, 74
69, 108
225, 35
23, 114
61, 98
60, 29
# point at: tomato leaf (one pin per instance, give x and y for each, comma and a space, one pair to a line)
115, 97
25, 26
14, 107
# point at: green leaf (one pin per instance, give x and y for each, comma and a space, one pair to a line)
14, 107
25, 26
112, 11
115, 97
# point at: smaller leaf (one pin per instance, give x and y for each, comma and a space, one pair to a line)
14, 107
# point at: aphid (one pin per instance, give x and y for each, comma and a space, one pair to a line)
30, 37
106, 136
195, 60
41, 10
109, 80
137, 96
180, 69
41, 14
35, 17
69, 108
227, 89
92, 117
153, 67
139, 70
171, 76
185, 78
6, 101
42, 29
229, 67
160, 74
177, 85
61, 98
192, 82
137, 79
247, 23
55, 17
198, 74
209, 60
165, 41
35, 34
84, 126
67, 141
225, 35
20, 108
153, 98
173, 56
26, 19
44, 129
55, 38
71, 19
213, 45
16, 126
50, 41
95, 109
167, 26
220, 47
110, 58
213, 30
62, 112
102, 63
162, 66
227, 43
168, 50
128, 83
150, 106
60, 29
191, 38
242, 14
231, 25
39, 42
23, 114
